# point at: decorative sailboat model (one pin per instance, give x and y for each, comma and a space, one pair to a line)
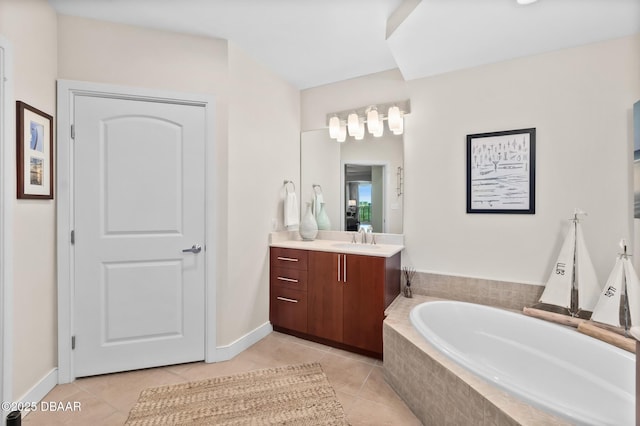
618, 305
572, 287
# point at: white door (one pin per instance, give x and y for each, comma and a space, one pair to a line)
139, 203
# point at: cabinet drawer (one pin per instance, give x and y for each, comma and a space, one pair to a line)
288, 258
293, 279
288, 309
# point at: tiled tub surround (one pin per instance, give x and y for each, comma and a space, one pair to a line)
502, 294
438, 390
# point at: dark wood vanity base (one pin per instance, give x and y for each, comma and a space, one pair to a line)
337, 299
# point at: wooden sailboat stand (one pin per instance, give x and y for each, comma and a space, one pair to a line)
611, 337
609, 334
553, 317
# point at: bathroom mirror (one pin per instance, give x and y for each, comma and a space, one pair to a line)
360, 180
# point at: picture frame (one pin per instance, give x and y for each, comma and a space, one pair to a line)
34, 152
501, 172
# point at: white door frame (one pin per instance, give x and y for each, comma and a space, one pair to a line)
7, 194
67, 90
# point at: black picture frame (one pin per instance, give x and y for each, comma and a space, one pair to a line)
34, 153
501, 172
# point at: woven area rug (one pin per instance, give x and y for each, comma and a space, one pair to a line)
291, 395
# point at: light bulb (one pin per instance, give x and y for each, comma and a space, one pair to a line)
400, 129
360, 134
334, 127
353, 123
342, 133
380, 131
393, 118
373, 120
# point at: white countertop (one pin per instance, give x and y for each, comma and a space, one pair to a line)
339, 246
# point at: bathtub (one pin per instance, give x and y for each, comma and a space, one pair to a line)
551, 367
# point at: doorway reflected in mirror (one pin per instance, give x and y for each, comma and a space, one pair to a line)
364, 192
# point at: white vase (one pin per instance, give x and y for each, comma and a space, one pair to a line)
308, 226
324, 224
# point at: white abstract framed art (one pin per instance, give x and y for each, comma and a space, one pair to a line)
501, 172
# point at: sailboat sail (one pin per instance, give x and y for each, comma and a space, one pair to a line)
633, 292
607, 309
588, 287
573, 270
623, 281
558, 288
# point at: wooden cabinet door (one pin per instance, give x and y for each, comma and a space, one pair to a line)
324, 295
363, 298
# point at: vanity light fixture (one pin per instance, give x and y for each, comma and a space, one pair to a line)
526, 1
353, 122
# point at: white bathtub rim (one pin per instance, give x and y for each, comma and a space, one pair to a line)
485, 374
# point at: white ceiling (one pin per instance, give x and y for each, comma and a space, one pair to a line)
315, 42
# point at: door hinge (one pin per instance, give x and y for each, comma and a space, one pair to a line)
73, 131
73, 342
73, 237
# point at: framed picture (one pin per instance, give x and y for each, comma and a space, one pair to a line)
34, 152
501, 172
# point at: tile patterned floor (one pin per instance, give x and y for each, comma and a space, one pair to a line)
358, 381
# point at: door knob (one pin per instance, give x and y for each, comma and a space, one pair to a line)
196, 248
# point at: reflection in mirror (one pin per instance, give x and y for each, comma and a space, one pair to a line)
364, 191
358, 179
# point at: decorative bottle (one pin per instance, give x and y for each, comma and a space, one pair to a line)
308, 226
324, 224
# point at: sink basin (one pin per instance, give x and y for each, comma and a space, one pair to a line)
355, 246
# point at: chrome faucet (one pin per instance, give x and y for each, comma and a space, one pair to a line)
364, 236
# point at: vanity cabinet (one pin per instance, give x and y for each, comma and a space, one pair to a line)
343, 296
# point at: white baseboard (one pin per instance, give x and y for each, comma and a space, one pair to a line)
39, 390
225, 353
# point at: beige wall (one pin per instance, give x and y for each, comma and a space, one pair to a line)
256, 140
264, 150
579, 100
34, 286
259, 108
